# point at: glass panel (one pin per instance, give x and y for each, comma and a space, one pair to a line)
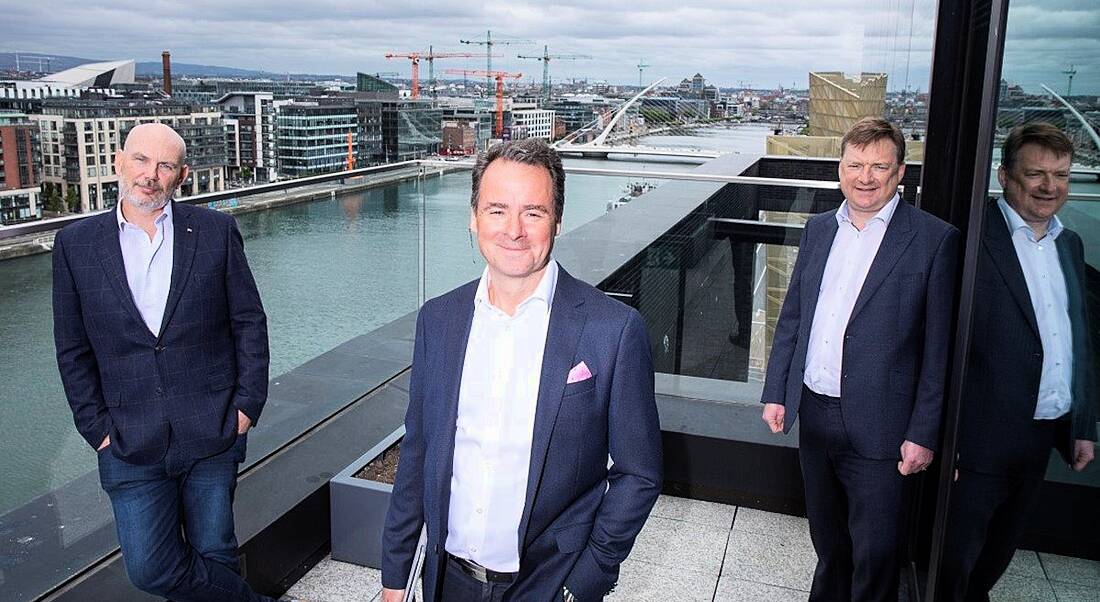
327, 271
1026, 492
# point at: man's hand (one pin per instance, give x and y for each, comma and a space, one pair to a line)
773, 416
1083, 452
914, 458
107, 441
392, 595
243, 423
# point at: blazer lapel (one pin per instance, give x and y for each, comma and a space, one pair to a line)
815, 269
998, 241
456, 337
894, 243
567, 319
110, 257
185, 234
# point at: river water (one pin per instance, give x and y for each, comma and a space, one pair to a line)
327, 271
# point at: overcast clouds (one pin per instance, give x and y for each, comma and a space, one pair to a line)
765, 43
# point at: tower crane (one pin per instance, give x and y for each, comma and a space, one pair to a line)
499, 76
488, 43
430, 56
545, 58
1069, 73
641, 67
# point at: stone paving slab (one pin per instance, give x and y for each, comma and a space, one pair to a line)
693, 550
694, 511
681, 545
1076, 571
641, 581
1014, 588
732, 589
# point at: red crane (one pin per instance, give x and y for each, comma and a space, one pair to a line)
430, 56
498, 129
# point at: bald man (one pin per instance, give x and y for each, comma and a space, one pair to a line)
162, 347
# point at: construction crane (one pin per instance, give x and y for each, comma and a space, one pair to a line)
430, 56
488, 43
545, 58
415, 58
1069, 73
499, 76
641, 67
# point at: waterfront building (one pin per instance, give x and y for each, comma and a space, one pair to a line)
837, 101
578, 110
365, 82
459, 137
250, 135
80, 137
480, 120
532, 123
207, 90
312, 138
411, 130
20, 169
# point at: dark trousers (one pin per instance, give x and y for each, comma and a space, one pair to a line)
986, 521
855, 507
460, 587
175, 524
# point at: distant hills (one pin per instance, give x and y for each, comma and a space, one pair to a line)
54, 63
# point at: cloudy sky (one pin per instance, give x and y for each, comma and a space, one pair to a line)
731, 42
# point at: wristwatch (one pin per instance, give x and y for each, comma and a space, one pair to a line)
566, 595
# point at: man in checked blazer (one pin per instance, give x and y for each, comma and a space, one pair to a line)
859, 355
523, 383
162, 347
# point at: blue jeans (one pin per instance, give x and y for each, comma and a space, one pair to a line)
175, 524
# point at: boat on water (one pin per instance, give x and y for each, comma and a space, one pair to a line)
630, 191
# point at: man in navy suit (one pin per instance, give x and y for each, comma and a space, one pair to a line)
860, 353
1030, 372
162, 348
524, 382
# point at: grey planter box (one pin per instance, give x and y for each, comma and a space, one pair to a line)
359, 510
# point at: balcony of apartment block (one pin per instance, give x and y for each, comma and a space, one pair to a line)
704, 257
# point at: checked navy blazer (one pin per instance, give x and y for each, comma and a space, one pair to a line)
182, 387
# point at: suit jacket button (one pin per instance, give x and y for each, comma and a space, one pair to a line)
159, 390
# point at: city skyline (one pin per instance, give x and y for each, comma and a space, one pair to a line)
733, 44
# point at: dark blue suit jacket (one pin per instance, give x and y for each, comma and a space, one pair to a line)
896, 341
183, 387
580, 518
1006, 360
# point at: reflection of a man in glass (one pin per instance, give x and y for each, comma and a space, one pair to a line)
1028, 385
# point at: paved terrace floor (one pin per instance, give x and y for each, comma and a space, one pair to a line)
698, 551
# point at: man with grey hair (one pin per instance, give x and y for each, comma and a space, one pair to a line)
162, 347
523, 383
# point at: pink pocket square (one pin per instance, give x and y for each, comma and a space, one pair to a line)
578, 373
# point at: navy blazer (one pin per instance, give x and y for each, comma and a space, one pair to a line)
181, 388
1006, 360
580, 517
896, 341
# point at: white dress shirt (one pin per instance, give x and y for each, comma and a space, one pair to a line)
849, 261
148, 265
496, 420
1046, 285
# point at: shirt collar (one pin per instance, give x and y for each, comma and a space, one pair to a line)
543, 292
1016, 223
165, 216
884, 215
